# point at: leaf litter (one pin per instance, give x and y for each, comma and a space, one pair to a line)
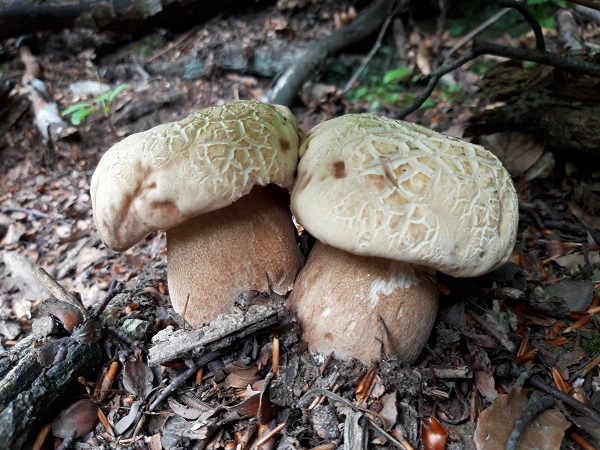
540, 312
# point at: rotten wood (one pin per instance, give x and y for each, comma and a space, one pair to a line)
558, 107
29, 391
130, 16
221, 333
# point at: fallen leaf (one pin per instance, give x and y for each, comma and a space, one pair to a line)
389, 412
137, 378
497, 422
518, 151
486, 385
81, 416
182, 410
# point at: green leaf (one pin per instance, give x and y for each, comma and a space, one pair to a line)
116, 91
111, 94
395, 74
80, 115
75, 107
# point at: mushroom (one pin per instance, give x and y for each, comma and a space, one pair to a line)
209, 179
390, 203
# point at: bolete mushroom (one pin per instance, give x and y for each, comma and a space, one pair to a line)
391, 202
209, 180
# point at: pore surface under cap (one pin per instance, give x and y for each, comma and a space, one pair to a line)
162, 177
379, 187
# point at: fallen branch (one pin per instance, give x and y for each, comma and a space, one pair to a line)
223, 332
538, 55
28, 391
376, 46
290, 82
564, 63
47, 117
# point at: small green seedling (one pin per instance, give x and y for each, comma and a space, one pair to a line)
80, 110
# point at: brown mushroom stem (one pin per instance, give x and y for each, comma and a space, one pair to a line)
338, 298
247, 246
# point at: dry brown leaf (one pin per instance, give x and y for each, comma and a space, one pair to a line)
586, 218
81, 417
389, 412
518, 151
546, 431
365, 383
497, 422
576, 260
137, 378
241, 378
249, 407
182, 410
486, 385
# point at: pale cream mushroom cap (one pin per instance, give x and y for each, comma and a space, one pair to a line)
162, 177
379, 187
392, 200
208, 180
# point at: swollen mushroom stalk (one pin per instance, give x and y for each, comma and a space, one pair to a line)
389, 202
209, 180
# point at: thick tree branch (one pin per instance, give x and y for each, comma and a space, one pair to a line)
290, 82
564, 63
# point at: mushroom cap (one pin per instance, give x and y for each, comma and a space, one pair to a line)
375, 186
161, 177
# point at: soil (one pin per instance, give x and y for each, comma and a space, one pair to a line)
537, 315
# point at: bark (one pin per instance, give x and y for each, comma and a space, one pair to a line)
29, 392
220, 334
561, 108
18, 17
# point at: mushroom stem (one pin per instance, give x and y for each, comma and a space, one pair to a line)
247, 246
339, 297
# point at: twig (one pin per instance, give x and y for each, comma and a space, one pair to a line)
535, 26
181, 378
291, 80
58, 291
532, 410
560, 62
31, 212
573, 403
173, 44
592, 4
475, 31
508, 345
270, 434
463, 372
114, 288
441, 24
367, 59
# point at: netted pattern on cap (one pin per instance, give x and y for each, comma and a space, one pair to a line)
164, 176
379, 187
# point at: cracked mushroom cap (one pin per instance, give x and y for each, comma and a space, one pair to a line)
162, 177
375, 186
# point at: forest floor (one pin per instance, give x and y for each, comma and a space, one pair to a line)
536, 316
